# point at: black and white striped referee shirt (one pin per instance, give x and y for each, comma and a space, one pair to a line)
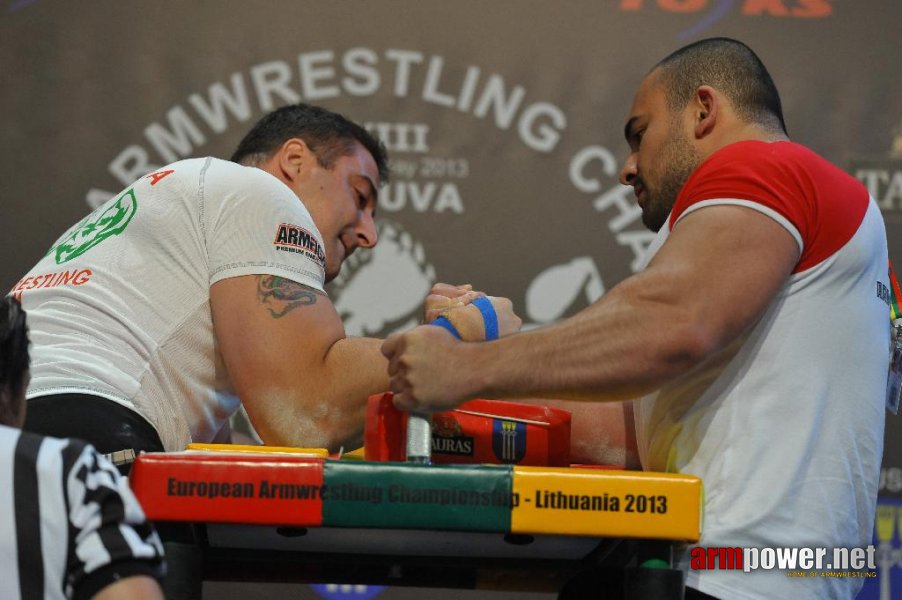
69, 524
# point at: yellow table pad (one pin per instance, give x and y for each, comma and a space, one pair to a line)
606, 503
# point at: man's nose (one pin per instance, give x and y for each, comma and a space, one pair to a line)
629, 171
367, 236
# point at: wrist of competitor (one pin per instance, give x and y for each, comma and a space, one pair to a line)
454, 323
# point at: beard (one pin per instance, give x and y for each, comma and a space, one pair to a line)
678, 159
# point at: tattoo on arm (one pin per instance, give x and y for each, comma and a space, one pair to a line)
280, 296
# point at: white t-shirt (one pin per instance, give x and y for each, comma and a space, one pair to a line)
120, 306
785, 427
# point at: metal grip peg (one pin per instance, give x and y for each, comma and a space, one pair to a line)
419, 438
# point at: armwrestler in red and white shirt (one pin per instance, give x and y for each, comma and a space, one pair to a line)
785, 424
755, 339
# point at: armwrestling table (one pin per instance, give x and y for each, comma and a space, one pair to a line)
580, 532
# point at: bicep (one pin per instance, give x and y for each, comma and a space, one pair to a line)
725, 265
269, 330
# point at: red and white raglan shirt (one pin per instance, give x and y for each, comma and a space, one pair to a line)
785, 427
120, 306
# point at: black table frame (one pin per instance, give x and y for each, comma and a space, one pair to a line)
612, 570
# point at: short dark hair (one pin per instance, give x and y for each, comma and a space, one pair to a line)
730, 67
328, 134
14, 360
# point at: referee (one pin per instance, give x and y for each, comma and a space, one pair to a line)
70, 527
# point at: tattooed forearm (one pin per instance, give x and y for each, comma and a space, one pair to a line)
280, 296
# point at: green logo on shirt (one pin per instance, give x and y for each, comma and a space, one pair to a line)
110, 219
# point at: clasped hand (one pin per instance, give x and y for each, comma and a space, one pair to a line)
430, 370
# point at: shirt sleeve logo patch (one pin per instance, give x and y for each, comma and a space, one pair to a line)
291, 238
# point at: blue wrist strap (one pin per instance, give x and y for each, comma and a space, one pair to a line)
488, 317
444, 322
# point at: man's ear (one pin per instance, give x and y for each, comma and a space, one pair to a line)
706, 106
294, 158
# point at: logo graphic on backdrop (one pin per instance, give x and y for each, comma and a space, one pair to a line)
361, 72
380, 291
562, 289
356, 72
383, 289
420, 183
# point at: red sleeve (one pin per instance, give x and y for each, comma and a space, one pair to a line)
824, 204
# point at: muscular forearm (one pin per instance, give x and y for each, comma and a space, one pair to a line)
705, 288
707, 285
355, 370
301, 379
327, 406
627, 344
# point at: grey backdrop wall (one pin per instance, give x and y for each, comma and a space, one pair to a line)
504, 121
